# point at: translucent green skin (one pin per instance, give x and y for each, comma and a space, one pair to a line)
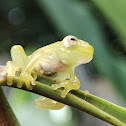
60, 57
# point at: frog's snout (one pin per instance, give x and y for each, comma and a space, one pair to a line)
86, 45
87, 51
91, 51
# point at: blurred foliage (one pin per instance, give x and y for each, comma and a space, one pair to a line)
102, 23
24, 23
114, 11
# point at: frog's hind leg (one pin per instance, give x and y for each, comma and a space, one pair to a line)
46, 103
19, 56
10, 71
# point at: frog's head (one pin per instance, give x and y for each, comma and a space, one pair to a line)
77, 51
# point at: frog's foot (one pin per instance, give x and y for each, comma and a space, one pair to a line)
68, 85
46, 103
27, 79
64, 92
10, 71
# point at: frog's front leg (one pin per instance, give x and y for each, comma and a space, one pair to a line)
72, 84
10, 71
25, 76
26, 63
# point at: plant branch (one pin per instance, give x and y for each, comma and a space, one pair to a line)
80, 100
7, 116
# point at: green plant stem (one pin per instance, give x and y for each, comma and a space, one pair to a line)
83, 101
7, 116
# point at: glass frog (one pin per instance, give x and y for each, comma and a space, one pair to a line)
60, 58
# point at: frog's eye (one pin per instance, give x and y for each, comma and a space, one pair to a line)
70, 41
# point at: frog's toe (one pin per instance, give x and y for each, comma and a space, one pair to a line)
9, 80
63, 95
33, 82
34, 76
65, 92
29, 87
19, 84
28, 84
27, 79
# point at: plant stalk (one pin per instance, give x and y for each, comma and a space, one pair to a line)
80, 100
7, 116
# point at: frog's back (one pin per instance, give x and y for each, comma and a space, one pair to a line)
48, 49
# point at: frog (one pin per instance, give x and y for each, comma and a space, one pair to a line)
57, 61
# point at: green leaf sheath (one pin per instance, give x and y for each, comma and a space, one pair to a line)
7, 116
80, 100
